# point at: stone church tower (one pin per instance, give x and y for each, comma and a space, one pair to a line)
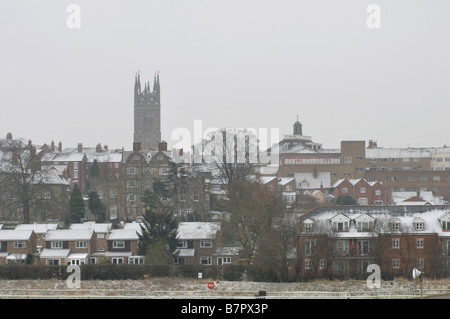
147, 114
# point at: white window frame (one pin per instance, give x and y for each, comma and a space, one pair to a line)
396, 263
57, 244
117, 260
420, 243
396, 243
81, 244
20, 244
205, 260
206, 244
118, 244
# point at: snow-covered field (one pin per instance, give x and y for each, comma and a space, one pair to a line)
198, 288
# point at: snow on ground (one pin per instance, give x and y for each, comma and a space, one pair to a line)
198, 288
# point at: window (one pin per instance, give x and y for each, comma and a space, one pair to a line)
182, 244
378, 192
180, 261
395, 226
436, 178
340, 226
56, 244
341, 247
307, 226
362, 190
136, 157
116, 165
423, 178
116, 260
345, 190
411, 178
196, 196
47, 195
396, 263
131, 197
75, 174
384, 159
205, 244
19, 244
289, 188
135, 260
164, 171
308, 264
364, 226
420, 263
322, 264
205, 260
395, 243
419, 243
81, 244
445, 225
182, 197
418, 226
75, 165
131, 184
132, 170
364, 247
310, 247
52, 262
347, 160
118, 244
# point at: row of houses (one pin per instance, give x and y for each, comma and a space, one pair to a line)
345, 240
91, 243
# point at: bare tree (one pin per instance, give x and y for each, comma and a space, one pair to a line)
23, 183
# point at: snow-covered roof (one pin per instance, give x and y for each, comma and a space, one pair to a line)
69, 234
198, 230
97, 227
12, 234
405, 215
185, 252
37, 228
123, 234
54, 253
397, 152
312, 181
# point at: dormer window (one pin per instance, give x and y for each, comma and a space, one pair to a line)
308, 225
394, 224
418, 224
445, 221
340, 222
340, 226
364, 222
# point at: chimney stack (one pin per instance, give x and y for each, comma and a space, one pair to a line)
60, 147
80, 147
136, 146
52, 147
162, 146
9, 136
98, 149
105, 147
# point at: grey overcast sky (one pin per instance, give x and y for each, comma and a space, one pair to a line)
229, 63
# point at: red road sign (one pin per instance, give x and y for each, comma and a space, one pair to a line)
211, 285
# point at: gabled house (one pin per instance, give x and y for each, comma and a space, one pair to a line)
16, 245
123, 247
196, 243
40, 230
68, 246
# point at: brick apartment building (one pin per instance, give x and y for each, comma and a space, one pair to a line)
343, 241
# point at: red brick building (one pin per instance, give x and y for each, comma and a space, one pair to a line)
364, 192
344, 241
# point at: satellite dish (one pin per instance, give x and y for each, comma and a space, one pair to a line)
416, 273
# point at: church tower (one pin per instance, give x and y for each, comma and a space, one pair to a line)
147, 113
